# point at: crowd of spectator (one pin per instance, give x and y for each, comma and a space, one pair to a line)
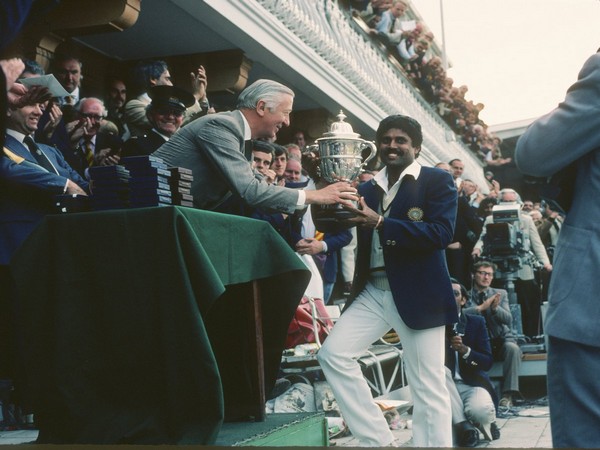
411, 43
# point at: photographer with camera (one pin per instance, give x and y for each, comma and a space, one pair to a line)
513, 252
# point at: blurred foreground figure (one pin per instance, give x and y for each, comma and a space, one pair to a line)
569, 137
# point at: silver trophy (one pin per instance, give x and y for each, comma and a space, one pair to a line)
340, 153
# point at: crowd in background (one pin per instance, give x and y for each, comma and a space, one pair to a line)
411, 43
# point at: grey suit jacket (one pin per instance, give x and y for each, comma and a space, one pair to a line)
499, 322
213, 148
569, 133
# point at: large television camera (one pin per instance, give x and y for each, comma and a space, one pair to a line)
503, 243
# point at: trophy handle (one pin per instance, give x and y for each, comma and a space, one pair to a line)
370, 145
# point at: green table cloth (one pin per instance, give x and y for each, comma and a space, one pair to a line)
133, 324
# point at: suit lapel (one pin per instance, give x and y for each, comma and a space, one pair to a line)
19, 149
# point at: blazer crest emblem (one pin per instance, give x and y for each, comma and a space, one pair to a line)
415, 214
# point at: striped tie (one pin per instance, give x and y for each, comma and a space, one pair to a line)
89, 153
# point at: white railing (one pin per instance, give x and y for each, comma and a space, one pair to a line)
327, 29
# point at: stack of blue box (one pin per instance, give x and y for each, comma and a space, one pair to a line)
149, 183
109, 187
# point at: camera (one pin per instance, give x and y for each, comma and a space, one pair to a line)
504, 244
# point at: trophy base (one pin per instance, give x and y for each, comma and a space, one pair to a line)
331, 218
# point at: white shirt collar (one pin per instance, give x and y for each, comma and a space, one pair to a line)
162, 135
247, 130
18, 136
381, 178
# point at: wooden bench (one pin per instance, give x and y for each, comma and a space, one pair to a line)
532, 365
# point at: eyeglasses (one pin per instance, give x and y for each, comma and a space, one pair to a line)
483, 273
95, 117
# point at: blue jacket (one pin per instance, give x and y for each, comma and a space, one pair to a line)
419, 227
27, 192
473, 370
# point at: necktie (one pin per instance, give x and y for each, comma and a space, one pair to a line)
89, 153
248, 150
481, 298
39, 156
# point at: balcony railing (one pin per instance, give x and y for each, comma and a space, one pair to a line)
329, 30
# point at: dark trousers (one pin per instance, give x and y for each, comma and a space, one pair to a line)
573, 394
529, 297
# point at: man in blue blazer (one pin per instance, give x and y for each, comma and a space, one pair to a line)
406, 221
570, 136
27, 189
213, 147
468, 358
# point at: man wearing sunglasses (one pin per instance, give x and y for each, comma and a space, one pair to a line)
165, 114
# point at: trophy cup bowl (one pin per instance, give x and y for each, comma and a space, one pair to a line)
340, 153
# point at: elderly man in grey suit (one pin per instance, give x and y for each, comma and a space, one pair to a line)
213, 147
570, 134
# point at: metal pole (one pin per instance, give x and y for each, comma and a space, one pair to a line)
444, 57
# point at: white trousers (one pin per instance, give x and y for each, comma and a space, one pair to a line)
369, 317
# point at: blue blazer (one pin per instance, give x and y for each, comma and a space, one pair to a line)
474, 369
570, 134
27, 192
419, 227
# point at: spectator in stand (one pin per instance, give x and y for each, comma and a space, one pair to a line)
32, 69
52, 116
262, 156
471, 191
156, 73
280, 159
373, 12
31, 174
66, 67
527, 206
493, 305
466, 232
458, 168
468, 358
299, 138
415, 65
90, 147
389, 28
407, 48
116, 97
294, 151
494, 158
165, 114
293, 171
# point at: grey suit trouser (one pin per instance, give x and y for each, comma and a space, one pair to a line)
510, 355
574, 394
511, 366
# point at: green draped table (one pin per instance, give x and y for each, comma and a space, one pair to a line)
151, 325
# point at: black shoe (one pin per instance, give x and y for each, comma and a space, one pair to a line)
467, 435
495, 431
281, 385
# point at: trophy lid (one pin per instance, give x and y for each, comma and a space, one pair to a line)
341, 129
